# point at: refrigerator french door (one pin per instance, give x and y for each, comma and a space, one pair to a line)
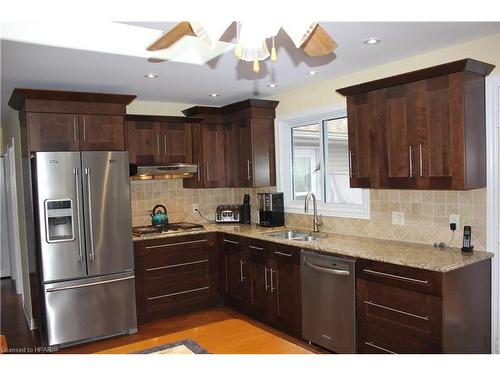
86, 252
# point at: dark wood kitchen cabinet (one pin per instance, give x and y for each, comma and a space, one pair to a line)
407, 310
175, 275
262, 280
70, 121
428, 127
156, 140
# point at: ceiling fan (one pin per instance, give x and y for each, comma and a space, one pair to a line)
251, 38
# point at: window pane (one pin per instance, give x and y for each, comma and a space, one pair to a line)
337, 164
306, 160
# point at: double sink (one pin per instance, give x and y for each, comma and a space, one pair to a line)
294, 235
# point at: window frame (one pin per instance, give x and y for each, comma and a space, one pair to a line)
285, 177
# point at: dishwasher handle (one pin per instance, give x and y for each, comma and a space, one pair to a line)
334, 271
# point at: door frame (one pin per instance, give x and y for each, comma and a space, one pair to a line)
493, 199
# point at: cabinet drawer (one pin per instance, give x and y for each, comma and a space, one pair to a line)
400, 276
232, 243
181, 284
171, 259
285, 253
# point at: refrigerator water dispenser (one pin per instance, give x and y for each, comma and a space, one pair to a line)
59, 220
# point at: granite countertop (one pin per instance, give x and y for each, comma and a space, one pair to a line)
396, 252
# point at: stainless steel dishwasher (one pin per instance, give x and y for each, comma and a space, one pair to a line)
328, 301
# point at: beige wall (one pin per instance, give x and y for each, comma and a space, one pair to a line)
426, 213
141, 107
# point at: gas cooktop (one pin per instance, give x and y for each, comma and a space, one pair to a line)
172, 228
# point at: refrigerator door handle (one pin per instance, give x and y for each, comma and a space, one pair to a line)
90, 284
91, 231
80, 239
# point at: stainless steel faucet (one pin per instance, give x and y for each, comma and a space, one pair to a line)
316, 222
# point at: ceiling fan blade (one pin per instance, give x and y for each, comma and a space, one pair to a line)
172, 36
319, 43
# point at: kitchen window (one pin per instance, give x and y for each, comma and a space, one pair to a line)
314, 156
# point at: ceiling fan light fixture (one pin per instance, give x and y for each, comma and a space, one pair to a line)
256, 67
371, 41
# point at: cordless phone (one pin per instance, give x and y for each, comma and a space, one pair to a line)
467, 245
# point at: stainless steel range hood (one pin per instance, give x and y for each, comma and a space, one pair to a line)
163, 172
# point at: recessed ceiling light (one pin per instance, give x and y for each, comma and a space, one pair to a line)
371, 41
151, 75
272, 85
313, 73
214, 95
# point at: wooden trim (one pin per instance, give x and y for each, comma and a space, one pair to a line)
465, 65
153, 118
20, 95
234, 107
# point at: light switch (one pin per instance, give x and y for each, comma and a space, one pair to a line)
398, 218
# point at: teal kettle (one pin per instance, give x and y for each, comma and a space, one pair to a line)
159, 215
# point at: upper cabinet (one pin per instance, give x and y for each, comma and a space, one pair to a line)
420, 130
70, 121
246, 157
156, 140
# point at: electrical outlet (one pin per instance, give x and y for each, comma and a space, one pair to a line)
455, 219
195, 207
398, 218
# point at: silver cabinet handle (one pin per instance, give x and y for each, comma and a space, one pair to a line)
208, 171
265, 278
379, 347
74, 129
255, 247
370, 303
283, 254
90, 284
84, 127
272, 280
199, 171
175, 244
165, 143
420, 160
248, 170
80, 239
350, 164
334, 271
158, 144
410, 160
178, 293
91, 230
176, 265
397, 277
242, 278
232, 242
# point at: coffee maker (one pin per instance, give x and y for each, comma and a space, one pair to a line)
271, 210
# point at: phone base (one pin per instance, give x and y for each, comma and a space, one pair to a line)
467, 249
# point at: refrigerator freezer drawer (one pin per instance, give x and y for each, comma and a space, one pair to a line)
87, 309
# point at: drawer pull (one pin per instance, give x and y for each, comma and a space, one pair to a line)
256, 248
397, 277
176, 265
175, 244
178, 293
396, 310
379, 348
283, 254
230, 241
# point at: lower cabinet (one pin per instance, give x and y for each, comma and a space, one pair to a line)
175, 275
262, 279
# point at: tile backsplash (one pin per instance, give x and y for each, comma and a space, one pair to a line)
426, 212
426, 215
179, 201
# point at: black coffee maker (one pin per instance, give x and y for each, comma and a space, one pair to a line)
271, 210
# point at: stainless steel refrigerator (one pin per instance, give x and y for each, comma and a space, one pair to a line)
83, 219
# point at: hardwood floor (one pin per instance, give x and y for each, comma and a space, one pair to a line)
218, 330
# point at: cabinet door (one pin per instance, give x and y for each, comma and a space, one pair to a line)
245, 157
53, 132
364, 137
175, 139
263, 163
236, 272
258, 268
102, 133
233, 153
213, 155
285, 288
143, 139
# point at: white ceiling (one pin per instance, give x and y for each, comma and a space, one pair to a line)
41, 66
